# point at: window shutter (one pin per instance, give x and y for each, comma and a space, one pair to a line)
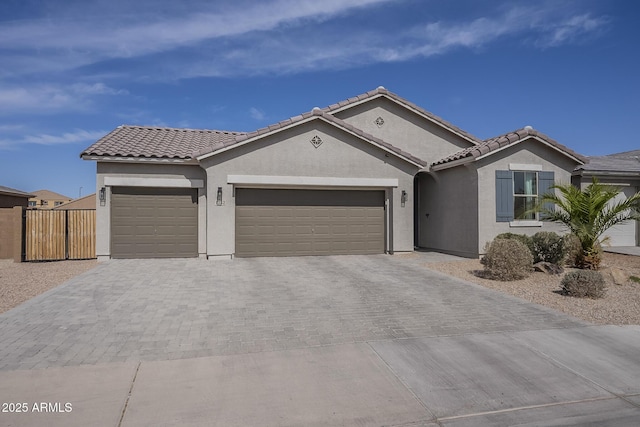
504, 196
545, 182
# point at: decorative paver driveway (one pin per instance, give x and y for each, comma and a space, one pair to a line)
129, 310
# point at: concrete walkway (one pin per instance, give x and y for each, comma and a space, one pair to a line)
355, 340
624, 250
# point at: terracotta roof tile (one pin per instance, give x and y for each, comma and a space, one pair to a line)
157, 142
493, 144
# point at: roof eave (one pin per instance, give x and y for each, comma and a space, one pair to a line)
307, 120
409, 107
452, 163
129, 159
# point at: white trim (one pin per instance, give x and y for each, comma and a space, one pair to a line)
152, 182
312, 181
525, 223
524, 167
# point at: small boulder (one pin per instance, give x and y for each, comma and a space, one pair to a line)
548, 268
619, 276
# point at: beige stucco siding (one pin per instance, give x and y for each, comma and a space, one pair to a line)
143, 175
404, 129
290, 154
529, 152
447, 213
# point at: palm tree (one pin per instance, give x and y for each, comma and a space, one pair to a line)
588, 213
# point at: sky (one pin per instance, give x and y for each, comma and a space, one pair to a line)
73, 70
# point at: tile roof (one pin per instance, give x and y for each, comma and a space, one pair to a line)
49, 195
86, 202
158, 142
320, 114
13, 192
494, 144
381, 91
626, 162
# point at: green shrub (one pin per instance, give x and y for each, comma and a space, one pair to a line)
547, 246
583, 283
507, 259
522, 238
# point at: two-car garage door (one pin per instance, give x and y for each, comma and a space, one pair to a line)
154, 222
285, 222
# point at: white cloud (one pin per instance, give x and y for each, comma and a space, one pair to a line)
572, 29
256, 114
88, 39
48, 98
74, 137
270, 36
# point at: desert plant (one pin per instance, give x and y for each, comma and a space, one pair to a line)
507, 259
547, 246
522, 238
588, 213
583, 284
573, 249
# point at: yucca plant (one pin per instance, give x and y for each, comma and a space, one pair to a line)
588, 213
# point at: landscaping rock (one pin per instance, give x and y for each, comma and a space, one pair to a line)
619, 276
548, 268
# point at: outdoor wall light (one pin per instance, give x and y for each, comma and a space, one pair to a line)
403, 198
219, 196
103, 196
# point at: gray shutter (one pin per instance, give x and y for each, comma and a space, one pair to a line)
504, 196
545, 182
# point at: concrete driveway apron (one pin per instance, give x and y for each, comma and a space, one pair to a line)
367, 340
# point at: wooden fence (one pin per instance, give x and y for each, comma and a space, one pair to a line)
59, 234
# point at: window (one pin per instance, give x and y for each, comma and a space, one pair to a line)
525, 195
517, 192
32, 203
57, 203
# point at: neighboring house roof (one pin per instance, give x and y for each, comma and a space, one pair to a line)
7, 191
49, 195
626, 163
382, 92
86, 202
493, 145
315, 114
158, 142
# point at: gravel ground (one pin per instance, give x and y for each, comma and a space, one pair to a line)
620, 306
22, 281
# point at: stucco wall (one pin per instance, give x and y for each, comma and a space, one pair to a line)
144, 171
527, 152
290, 153
404, 129
447, 213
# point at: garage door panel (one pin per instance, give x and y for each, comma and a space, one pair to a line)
154, 222
308, 222
623, 234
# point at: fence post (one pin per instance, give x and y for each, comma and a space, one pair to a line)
18, 233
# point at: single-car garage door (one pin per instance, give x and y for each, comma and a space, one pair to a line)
278, 222
623, 234
154, 222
